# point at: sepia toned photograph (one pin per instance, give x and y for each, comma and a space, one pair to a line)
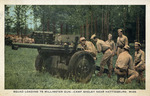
75, 46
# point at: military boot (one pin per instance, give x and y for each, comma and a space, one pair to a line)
99, 74
141, 78
120, 79
128, 81
109, 76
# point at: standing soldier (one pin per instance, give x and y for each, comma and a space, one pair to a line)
58, 39
124, 67
122, 40
88, 46
111, 43
107, 54
139, 61
112, 47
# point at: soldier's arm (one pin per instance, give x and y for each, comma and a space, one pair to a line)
114, 48
131, 65
89, 49
116, 45
126, 41
134, 60
99, 48
92, 49
142, 60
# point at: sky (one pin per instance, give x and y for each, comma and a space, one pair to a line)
30, 19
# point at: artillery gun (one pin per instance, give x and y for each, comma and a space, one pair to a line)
60, 55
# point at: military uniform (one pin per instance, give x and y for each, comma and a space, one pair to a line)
89, 47
58, 39
125, 68
139, 61
112, 45
113, 49
121, 42
107, 54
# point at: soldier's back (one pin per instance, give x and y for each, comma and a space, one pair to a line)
123, 60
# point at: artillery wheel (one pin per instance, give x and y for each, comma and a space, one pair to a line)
81, 66
39, 63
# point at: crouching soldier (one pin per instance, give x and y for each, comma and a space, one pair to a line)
124, 67
139, 61
88, 46
107, 54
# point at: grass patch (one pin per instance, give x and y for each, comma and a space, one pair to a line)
20, 73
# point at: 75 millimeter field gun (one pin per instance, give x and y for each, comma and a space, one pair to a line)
60, 55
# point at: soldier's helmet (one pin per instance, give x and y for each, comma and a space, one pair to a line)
120, 30
127, 47
93, 36
138, 44
110, 34
82, 38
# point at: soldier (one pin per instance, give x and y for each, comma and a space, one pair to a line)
107, 54
58, 39
124, 67
122, 40
139, 61
111, 43
112, 47
88, 46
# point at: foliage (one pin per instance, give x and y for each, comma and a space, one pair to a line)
81, 19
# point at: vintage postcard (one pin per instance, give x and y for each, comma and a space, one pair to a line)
74, 47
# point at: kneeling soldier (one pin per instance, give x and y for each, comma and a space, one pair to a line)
125, 67
107, 54
139, 61
88, 46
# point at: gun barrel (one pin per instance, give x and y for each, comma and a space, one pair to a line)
26, 45
15, 46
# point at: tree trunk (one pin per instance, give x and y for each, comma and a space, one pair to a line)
71, 29
54, 28
95, 26
102, 25
48, 25
43, 22
87, 30
18, 28
81, 31
125, 18
108, 21
61, 29
105, 27
84, 30
91, 23
102, 33
138, 29
66, 29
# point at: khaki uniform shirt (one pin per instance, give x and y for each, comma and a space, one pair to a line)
112, 45
139, 58
102, 46
124, 61
89, 46
122, 41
